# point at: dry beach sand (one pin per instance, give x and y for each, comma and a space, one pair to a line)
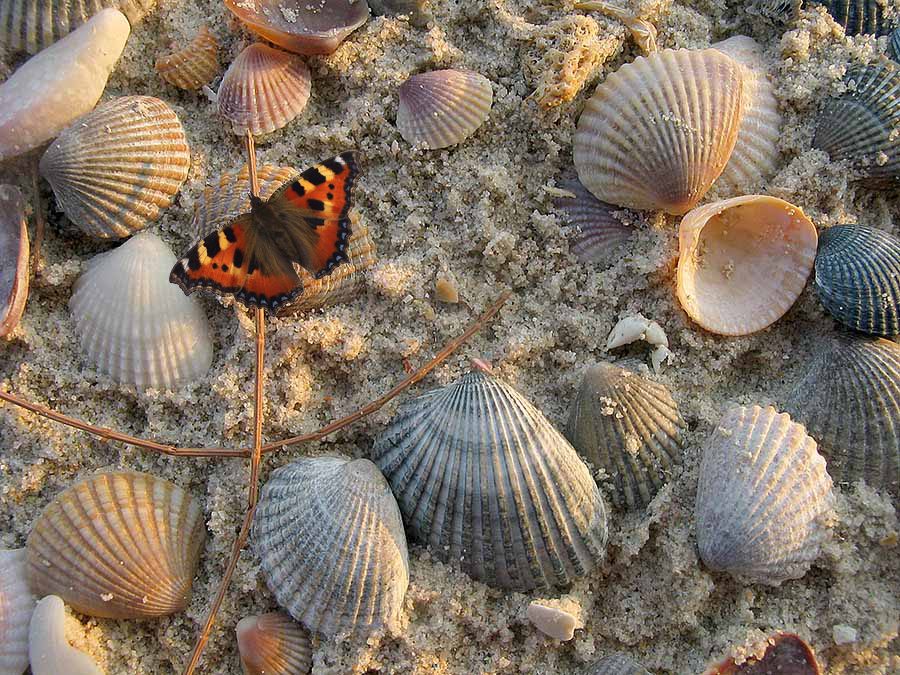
482, 215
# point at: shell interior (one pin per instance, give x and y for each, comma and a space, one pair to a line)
13, 258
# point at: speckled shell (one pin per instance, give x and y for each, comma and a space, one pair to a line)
764, 499
858, 278
660, 130
117, 168
136, 327
484, 479
330, 539
857, 16
743, 262
786, 654
630, 427
273, 643
119, 544
443, 107
13, 258
600, 236
16, 605
192, 66
617, 663
48, 650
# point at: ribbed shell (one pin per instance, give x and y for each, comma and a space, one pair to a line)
48, 650
858, 278
786, 654
330, 538
263, 90
600, 235
119, 544
764, 499
192, 66
484, 479
630, 427
273, 644
13, 258
135, 326
849, 401
893, 50
858, 16
443, 107
16, 605
660, 130
743, 262
117, 168
617, 663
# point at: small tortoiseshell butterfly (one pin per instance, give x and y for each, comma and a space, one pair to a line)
305, 221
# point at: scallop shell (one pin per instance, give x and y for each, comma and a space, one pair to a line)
600, 236
192, 66
660, 130
16, 605
49, 651
13, 258
617, 663
858, 278
263, 90
857, 16
630, 427
331, 542
849, 401
119, 544
764, 499
443, 107
273, 643
133, 324
743, 262
484, 479
117, 168
786, 654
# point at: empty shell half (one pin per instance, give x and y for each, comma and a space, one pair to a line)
49, 651
119, 544
600, 235
136, 327
764, 500
273, 643
743, 262
16, 606
192, 66
617, 663
13, 258
785, 654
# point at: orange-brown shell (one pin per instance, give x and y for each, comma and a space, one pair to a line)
192, 66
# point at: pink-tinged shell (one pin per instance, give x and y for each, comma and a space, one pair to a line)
743, 262
600, 235
302, 26
13, 258
263, 90
191, 66
786, 654
273, 643
16, 606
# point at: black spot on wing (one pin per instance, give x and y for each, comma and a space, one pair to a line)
334, 165
315, 222
193, 260
211, 242
298, 188
316, 204
313, 176
253, 264
238, 258
229, 234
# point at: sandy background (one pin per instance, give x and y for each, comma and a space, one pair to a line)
481, 214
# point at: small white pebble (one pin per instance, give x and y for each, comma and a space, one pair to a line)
843, 634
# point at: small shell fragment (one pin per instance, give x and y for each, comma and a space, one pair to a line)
617, 663
16, 606
49, 651
13, 258
273, 644
785, 654
192, 66
552, 621
445, 291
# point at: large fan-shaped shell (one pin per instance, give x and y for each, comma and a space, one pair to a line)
332, 546
16, 605
660, 130
48, 650
117, 168
273, 643
133, 324
192, 66
13, 258
763, 498
743, 262
600, 235
119, 544
484, 479
617, 663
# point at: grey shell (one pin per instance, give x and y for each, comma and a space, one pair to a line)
858, 16
617, 663
600, 236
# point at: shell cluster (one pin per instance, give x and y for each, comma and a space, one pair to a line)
13, 258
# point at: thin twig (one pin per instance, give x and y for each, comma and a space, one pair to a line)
38, 219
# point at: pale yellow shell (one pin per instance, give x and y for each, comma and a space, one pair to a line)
193, 65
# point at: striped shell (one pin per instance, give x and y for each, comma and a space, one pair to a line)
135, 326
617, 663
48, 649
192, 66
443, 107
764, 498
785, 654
743, 262
630, 427
858, 278
329, 535
858, 16
13, 258
658, 131
273, 643
484, 479
119, 544
893, 50
117, 168
16, 605
600, 236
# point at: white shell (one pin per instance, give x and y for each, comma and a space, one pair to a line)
552, 621
133, 324
273, 643
48, 649
16, 605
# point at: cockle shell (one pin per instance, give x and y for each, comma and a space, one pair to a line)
49, 651
858, 16
617, 663
13, 258
443, 107
658, 131
484, 479
120, 544
16, 605
600, 236
743, 262
263, 90
273, 643
116, 169
192, 66
135, 326
786, 654
764, 500
330, 538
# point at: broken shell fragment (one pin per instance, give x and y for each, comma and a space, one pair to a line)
13, 258
49, 651
192, 66
552, 621
16, 606
785, 654
617, 663
273, 643
600, 235
638, 327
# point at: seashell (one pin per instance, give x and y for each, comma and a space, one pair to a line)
49, 651
299, 26
115, 170
630, 427
660, 130
743, 262
764, 498
273, 643
16, 605
120, 544
443, 107
193, 65
14, 258
857, 16
600, 236
135, 326
418, 14
857, 270
263, 90
484, 479
849, 401
862, 124
330, 538
893, 50
617, 663
785, 654
552, 621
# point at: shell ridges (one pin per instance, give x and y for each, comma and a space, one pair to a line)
16, 606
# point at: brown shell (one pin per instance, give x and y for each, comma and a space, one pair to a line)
192, 66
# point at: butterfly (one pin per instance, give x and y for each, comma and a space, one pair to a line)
304, 221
